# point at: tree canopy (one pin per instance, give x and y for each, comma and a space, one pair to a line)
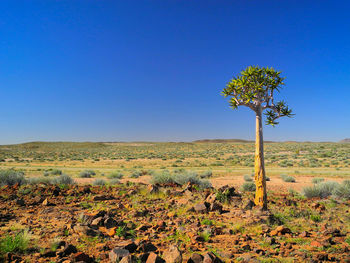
254, 87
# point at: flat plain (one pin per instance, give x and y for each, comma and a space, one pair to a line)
154, 201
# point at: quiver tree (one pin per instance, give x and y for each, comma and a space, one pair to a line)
254, 87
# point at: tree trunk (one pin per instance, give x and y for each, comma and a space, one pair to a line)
260, 179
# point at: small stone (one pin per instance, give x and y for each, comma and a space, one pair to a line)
195, 258
118, 253
200, 208
154, 258
172, 255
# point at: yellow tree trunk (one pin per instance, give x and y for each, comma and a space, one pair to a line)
260, 179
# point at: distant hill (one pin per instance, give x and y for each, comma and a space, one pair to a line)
222, 141
347, 140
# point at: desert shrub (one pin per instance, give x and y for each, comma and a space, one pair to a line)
162, 178
321, 190
343, 190
206, 174
115, 175
288, 178
248, 178
180, 178
87, 174
38, 180
63, 179
56, 172
317, 180
114, 181
135, 174
248, 187
11, 177
14, 244
100, 182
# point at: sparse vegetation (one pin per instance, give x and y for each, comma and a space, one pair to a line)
288, 178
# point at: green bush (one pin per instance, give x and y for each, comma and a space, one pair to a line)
87, 174
248, 178
343, 190
288, 178
179, 177
11, 177
135, 174
100, 182
206, 174
115, 175
63, 179
248, 187
320, 190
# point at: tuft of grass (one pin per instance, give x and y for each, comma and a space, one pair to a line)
14, 244
288, 178
205, 235
317, 180
248, 187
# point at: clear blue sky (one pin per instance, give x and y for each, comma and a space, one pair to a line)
153, 70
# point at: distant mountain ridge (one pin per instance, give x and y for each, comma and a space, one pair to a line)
347, 140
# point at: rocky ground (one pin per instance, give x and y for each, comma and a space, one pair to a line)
135, 222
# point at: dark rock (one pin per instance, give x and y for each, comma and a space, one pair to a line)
128, 245
48, 253
67, 250
110, 222
82, 257
215, 207
103, 197
20, 202
249, 205
147, 247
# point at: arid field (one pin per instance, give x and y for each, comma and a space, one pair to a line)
173, 202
